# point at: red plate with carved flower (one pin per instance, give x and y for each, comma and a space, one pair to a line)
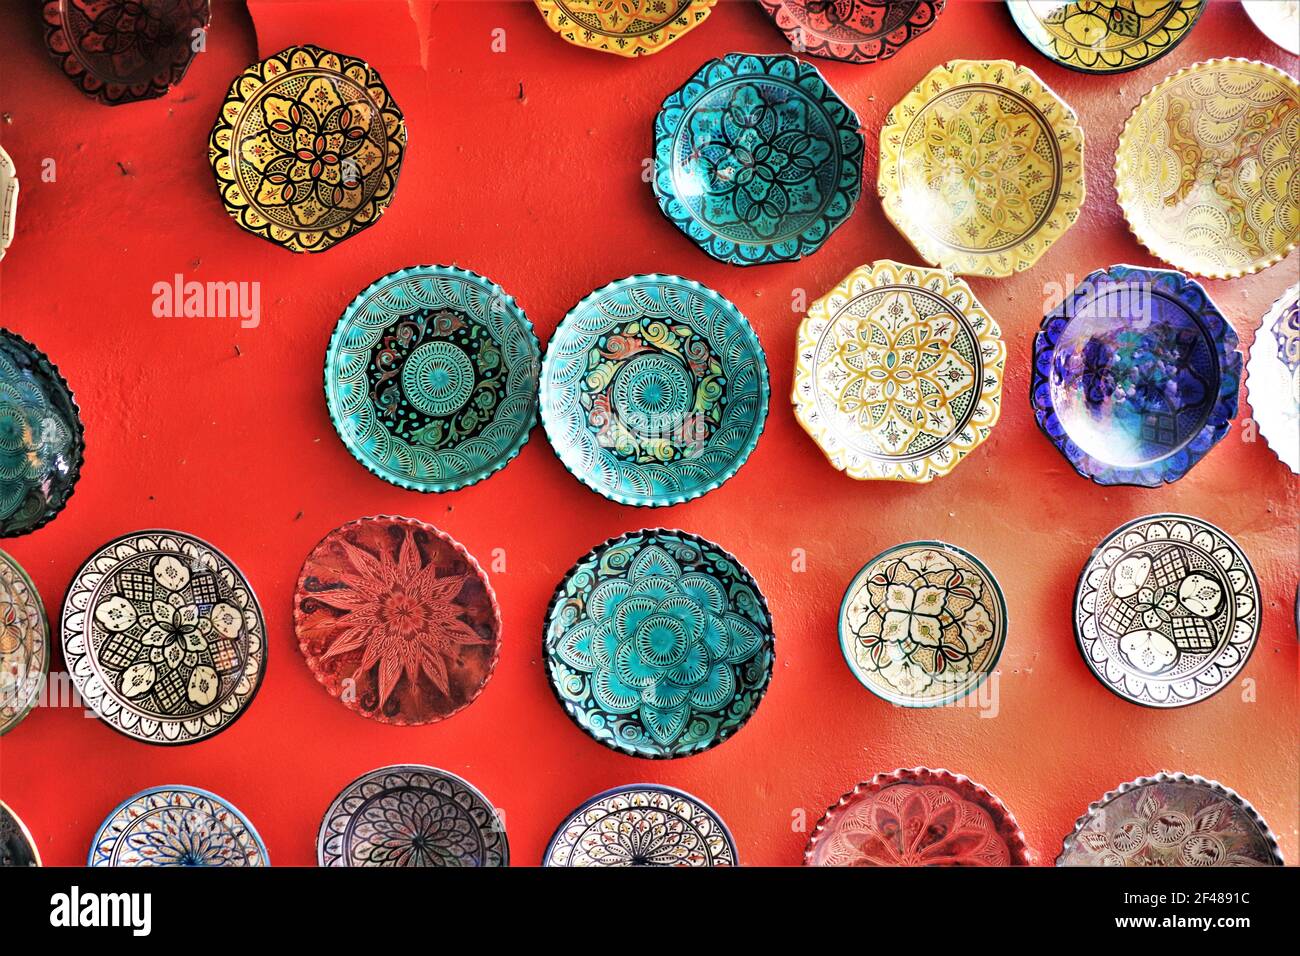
397, 620
858, 31
918, 817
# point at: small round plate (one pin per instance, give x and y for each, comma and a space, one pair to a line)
643, 824
923, 624
24, 644
857, 31
1273, 378
757, 159
627, 28
1135, 376
1171, 819
307, 148
898, 373
1279, 20
981, 167
122, 51
8, 201
163, 637
1104, 37
397, 620
41, 439
654, 390
431, 378
17, 848
411, 815
918, 817
177, 826
1204, 169
1166, 611
659, 644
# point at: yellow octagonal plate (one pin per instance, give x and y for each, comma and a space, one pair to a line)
981, 167
1206, 168
898, 372
624, 27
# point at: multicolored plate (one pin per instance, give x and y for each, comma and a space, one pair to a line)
1205, 169
411, 815
1105, 36
643, 824
1171, 819
898, 372
1279, 20
654, 390
17, 848
8, 201
397, 620
757, 159
981, 167
1166, 611
41, 439
1135, 376
659, 644
163, 637
177, 826
431, 378
627, 28
918, 817
121, 51
1273, 378
307, 148
857, 31
24, 644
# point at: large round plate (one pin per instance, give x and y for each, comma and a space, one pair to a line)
981, 167
898, 372
17, 848
857, 31
654, 390
1273, 378
1205, 169
918, 817
757, 159
1166, 611
431, 378
163, 637
307, 148
627, 28
659, 644
1171, 819
1105, 37
411, 815
24, 644
177, 826
643, 824
8, 200
397, 620
1279, 20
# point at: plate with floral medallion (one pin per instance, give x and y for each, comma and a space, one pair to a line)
177, 826
1105, 36
857, 31
625, 28
24, 644
17, 848
1273, 378
8, 200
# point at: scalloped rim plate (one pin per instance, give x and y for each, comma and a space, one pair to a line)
646, 39
1134, 53
1272, 389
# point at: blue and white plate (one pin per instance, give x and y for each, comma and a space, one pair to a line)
177, 826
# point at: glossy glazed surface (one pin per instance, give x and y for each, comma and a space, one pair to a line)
177, 826
1273, 378
628, 27
1279, 20
24, 644
857, 31
1105, 36
8, 201
17, 848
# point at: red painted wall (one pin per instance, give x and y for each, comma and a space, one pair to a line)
199, 425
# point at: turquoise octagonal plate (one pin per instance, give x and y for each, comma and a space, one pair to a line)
654, 390
431, 378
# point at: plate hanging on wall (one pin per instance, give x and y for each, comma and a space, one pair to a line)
1273, 378
859, 31
177, 826
627, 28
24, 644
1104, 38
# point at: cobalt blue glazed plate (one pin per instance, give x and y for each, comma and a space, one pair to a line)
1135, 376
659, 644
177, 826
654, 390
431, 378
757, 159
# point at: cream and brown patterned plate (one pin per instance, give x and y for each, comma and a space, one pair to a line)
24, 644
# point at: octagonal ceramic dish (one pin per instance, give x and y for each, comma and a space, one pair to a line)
177, 826
626, 28
24, 644
1273, 378
1105, 36
856, 31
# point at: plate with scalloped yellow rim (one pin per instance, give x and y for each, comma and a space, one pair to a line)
625, 28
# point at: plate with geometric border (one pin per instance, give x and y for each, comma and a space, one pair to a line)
177, 826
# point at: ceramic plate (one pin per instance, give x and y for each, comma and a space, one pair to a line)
659, 644
898, 372
177, 826
1106, 37
757, 159
17, 848
1166, 611
654, 390
411, 815
1279, 20
431, 378
1273, 378
1171, 819
644, 824
121, 51
858, 31
41, 441
923, 624
918, 817
163, 637
397, 620
1135, 376
981, 167
627, 28
24, 644
1205, 168
8, 200
307, 148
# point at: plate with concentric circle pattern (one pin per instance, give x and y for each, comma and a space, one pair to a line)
177, 826
24, 644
